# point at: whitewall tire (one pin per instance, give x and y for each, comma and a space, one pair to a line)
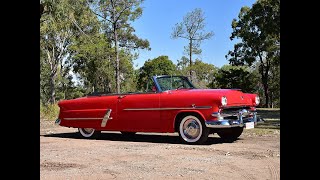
192, 130
88, 132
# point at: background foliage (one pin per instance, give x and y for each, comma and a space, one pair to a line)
82, 47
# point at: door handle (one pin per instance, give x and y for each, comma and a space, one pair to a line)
122, 96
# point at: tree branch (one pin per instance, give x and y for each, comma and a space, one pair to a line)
183, 36
126, 7
76, 24
97, 14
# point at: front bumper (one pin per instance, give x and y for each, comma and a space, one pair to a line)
234, 119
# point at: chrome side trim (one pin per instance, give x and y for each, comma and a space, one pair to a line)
104, 121
81, 118
169, 108
106, 118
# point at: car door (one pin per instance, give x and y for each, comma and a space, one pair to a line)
139, 112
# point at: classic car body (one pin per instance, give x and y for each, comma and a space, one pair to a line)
170, 104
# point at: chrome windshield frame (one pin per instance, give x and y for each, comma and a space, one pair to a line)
154, 78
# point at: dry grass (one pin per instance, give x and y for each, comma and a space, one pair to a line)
49, 112
270, 125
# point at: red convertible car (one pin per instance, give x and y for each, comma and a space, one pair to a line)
170, 104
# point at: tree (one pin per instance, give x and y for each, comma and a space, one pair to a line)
259, 29
41, 9
237, 77
115, 16
182, 66
275, 86
64, 20
44, 76
45, 7
91, 61
192, 29
161, 65
55, 34
205, 73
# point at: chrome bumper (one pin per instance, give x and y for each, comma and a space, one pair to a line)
232, 120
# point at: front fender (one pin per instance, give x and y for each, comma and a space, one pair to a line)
186, 111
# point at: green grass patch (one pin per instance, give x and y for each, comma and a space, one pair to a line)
270, 125
49, 112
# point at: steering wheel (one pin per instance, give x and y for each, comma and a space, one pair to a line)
181, 86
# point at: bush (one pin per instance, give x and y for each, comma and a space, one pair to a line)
49, 112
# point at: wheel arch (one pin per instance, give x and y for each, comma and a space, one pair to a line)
183, 113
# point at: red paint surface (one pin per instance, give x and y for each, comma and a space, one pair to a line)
147, 120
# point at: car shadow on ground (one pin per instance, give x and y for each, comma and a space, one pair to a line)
151, 138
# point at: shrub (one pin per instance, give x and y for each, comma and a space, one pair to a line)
49, 112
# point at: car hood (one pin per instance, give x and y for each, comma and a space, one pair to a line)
235, 97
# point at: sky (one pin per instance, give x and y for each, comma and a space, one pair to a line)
160, 16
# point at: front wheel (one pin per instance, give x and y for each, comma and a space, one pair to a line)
192, 130
89, 133
230, 134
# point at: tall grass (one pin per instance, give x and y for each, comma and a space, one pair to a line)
49, 112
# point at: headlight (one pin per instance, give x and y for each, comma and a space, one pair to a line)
224, 101
257, 99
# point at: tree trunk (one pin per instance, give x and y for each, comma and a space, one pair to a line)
264, 71
266, 94
41, 10
52, 88
190, 58
117, 62
264, 79
271, 99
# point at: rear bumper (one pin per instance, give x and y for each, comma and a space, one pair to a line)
237, 119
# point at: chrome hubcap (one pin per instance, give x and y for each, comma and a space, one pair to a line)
191, 129
88, 130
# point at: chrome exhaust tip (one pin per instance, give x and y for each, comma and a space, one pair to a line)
57, 122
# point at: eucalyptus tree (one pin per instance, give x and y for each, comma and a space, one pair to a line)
64, 20
116, 16
192, 28
259, 30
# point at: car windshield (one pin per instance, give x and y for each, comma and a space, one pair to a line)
174, 82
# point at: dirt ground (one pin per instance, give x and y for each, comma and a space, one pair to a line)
63, 155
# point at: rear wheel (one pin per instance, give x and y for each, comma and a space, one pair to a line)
89, 133
230, 133
192, 130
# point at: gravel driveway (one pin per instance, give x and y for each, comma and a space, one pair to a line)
63, 155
